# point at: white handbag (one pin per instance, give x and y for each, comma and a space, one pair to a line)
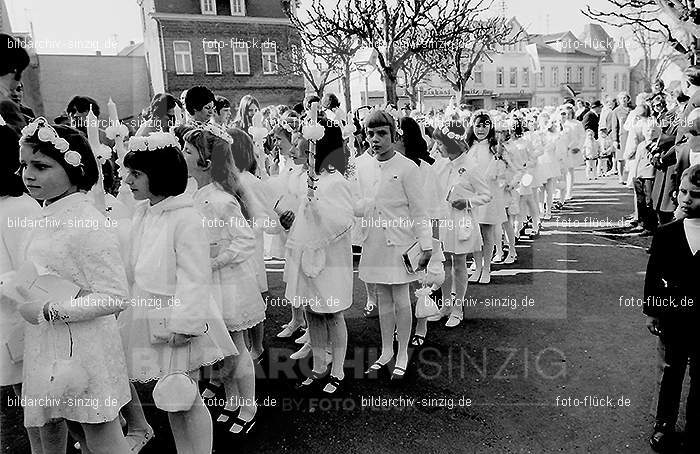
175, 391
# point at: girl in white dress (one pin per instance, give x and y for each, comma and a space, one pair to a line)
264, 220
571, 144
414, 147
462, 189
398, 220
76, 342
319, 260
548, 162
16, 206
223, 204
174, 325
484, 155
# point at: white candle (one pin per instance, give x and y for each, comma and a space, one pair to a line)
178, 115
112, 109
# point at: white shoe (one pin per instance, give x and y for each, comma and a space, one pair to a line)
303, 352
485, 277
510, 258
289, 330
453, 321
304, 339
474, 277
444, 312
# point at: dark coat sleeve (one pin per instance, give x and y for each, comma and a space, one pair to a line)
653, 285
13, 116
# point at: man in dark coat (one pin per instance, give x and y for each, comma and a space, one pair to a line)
13, 60
591, 117
671, 299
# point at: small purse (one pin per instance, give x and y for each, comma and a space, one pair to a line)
175, 391
425, 305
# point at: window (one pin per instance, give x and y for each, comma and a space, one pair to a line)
238, 7
579, 74
209, 7
212, 57
616, 80
624, 82
499, 76
568, 78
183, 57
594, 75
540, 79
604, 81
526, 77
269, 58
513, 77
241, 63
479, 74
555, 101
555, 76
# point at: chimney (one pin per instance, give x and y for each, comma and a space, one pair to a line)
131, 43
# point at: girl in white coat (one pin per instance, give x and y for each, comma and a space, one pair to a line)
462, 190
223, 203
170, 266
398, 220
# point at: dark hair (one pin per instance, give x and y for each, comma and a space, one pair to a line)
80, 104
197, 97
298, 108
165, 167
310, 100
13, 56
377, 118
221, 103
693, 74
10, 181
692, 173
83, 176
413, 142
682, 97
330, 101
223, 168
491, 137
162, 103
242, 150
331, 152
454, 146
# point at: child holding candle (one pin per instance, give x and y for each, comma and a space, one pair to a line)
319, 259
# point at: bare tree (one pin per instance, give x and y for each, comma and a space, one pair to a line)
456, 62
674, 21
318, 70
657, 55
415, 72
396, 29
335, 48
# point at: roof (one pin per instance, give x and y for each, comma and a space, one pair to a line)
132, 50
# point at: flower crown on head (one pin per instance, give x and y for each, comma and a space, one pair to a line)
46, 133
214, 129
154, 141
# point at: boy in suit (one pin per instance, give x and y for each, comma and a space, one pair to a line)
671, 299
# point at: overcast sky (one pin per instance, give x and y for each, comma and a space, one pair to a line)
84, 26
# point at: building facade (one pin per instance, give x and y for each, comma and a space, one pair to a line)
234, 47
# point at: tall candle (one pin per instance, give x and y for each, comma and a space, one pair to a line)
112, 109
311, 172
178, 115
93, 134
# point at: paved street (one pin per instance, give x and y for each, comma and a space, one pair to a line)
500, 381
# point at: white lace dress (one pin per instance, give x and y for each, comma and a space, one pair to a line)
75, 245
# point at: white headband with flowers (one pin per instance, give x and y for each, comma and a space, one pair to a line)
154, 141
46, 133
